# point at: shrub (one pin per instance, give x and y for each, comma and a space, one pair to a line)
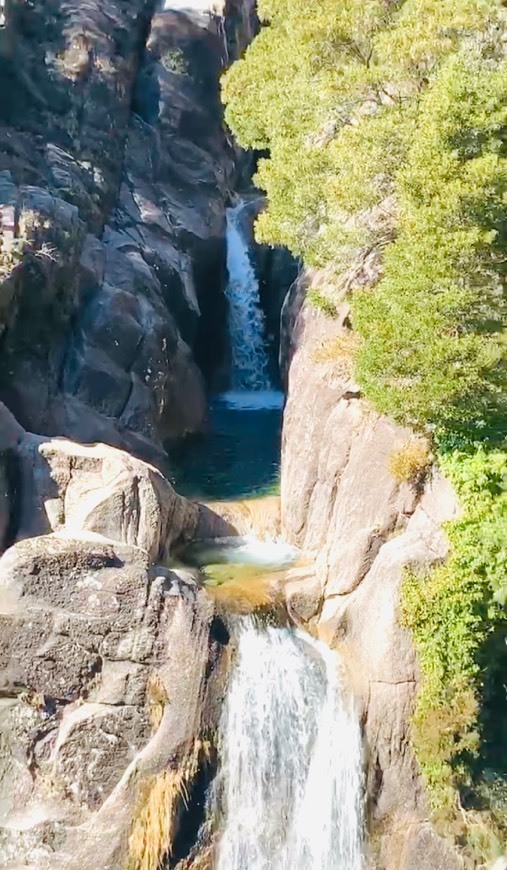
453, 613
411, 463
318, 300
175, 61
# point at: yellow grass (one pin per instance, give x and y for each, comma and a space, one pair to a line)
339, 351
160, 800
410, 463
157, 698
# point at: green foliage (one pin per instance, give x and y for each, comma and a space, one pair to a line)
332, 90
385, 119
384, 128
316, 298
434, 351
453, 613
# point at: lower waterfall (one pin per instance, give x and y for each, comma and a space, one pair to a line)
289, 790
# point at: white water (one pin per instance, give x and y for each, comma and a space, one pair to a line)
249, 370
244, 550
290, 782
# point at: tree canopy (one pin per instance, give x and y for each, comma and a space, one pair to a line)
384, 123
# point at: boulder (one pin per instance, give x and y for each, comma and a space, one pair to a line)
109, 668
55, 485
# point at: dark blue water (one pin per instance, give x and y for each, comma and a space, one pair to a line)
239, 457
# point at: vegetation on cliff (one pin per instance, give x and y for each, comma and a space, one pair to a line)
384, 129
458, 619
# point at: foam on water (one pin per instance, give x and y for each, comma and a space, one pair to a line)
289, 789
244, 550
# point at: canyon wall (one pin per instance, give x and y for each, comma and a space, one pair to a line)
342, 505
115, 171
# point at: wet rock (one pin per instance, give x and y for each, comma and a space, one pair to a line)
255, 516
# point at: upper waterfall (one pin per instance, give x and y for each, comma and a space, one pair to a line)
290, 785
249, 369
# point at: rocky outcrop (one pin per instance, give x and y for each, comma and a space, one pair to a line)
107, 667
241, 23
54, 485
114, 175
111, 664
342, 504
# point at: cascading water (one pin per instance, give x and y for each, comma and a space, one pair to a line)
289, 787
249, 369
288, 793
240, 456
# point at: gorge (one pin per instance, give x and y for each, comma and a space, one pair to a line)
208, 552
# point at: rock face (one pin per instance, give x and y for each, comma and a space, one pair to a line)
115, 172
54, 485
110, 672
114, 175
341, 504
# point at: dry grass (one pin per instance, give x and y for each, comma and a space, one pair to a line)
244, 595
339, 352
410, 463
10, 255
160, 801
157, 698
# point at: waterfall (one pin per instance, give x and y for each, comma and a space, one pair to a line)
246, 318
290, 780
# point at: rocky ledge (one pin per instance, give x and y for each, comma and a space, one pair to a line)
111, 664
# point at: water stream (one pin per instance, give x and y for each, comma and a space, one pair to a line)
290, 781
249, 368
289, 787
239, 457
